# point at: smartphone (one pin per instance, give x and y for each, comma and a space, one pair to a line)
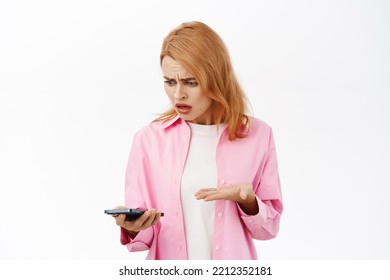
131, 214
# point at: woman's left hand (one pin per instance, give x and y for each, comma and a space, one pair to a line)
241, 193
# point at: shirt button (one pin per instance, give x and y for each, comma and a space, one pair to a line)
222, 182
220, 214
177, 214
217, 247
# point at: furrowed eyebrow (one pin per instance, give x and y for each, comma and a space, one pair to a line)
185, 80
188, 79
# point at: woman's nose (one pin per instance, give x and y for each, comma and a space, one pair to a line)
179, 93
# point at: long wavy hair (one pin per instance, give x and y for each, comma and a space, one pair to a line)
203, 53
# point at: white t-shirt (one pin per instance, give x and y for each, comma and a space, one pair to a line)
200, 171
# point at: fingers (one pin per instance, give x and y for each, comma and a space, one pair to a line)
240, 193
209, 194
119, 219
148, 219
204, 193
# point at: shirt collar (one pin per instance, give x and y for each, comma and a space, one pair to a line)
176, 119
170, 122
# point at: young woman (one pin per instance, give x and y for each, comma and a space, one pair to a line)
208, 166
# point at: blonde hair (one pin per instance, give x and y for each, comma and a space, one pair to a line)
202, 52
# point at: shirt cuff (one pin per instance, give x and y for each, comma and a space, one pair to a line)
255, 220
141, 242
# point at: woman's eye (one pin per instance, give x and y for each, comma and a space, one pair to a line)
192, 83
170, 82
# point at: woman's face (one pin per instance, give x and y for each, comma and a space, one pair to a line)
185, 94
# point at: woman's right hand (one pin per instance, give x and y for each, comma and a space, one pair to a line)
148, 219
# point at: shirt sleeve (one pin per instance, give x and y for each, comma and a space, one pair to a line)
140, 243
134, 197
265, 224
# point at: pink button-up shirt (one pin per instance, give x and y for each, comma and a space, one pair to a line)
153, 179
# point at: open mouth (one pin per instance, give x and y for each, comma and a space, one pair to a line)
183, 108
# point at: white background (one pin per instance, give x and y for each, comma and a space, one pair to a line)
79, 78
